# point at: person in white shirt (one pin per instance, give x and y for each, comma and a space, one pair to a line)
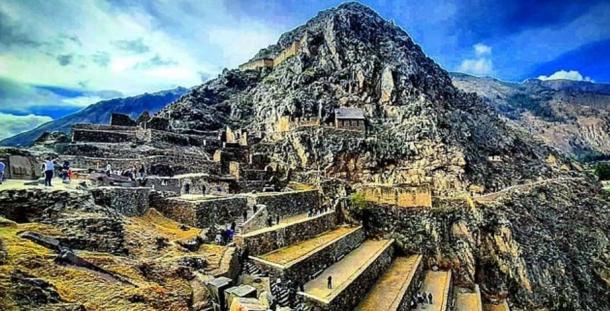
49, 167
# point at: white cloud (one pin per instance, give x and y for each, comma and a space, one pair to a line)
481, 49
566, 75
11, 125
480, 65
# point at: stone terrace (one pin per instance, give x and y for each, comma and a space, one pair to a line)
302, 260
439, 284
468, 300
395, 287
351, 276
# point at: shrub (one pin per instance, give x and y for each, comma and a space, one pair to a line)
602, 170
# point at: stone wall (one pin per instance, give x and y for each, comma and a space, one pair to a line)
266, 241
288, 203
286, 53
399, 196
317, 261
197, 183
84, 135
129, 201
203, 213
257, 64
164, 138
352, 294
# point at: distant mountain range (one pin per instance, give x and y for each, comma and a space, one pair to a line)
100, 113
572, 116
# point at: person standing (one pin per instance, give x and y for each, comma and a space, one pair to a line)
108, 169
49, 167
430, 298
329, 282
2, 167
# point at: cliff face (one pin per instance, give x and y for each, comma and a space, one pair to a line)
420, 129
541, 244
571, 116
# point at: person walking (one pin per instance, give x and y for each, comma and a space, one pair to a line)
49, 167
2, 167
329, 282
430, 298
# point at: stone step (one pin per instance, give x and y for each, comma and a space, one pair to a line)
299, 261
500, 306
393, 291
439, 284
289, 231
352, 277
467, 299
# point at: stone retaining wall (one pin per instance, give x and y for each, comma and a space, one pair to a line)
84, 135
289, 203
129, 201
352, 294
257, 221
197, 184
317, 261
267, 241
203, 213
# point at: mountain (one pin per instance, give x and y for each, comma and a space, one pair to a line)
100, 113
421, 129
572, 116
521, 238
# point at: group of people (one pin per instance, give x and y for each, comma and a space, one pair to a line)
225, 236
48, 170
273, 220
421, 298
318, 211
132, 173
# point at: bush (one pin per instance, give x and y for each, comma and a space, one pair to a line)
602, 170
357, 201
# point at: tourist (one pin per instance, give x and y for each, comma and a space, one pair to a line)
329, 282
233, 226
2, 167
302, 287
187, 188
142, 171
277, 219
269, 222
218, 239
245, 215
255, 208
108, 169
49, 167
430, 298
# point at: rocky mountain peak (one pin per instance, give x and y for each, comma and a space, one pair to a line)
420, 128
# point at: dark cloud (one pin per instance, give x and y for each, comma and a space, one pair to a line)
136, 46
11, 34
65, 59
156, 61
101, 58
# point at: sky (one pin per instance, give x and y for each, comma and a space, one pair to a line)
58, 56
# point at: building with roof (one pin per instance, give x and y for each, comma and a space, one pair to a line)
350, 118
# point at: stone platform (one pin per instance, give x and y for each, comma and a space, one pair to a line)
468, 300
301, 260
394, 289
439, 284
352, 276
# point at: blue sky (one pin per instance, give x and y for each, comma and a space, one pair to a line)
59, 56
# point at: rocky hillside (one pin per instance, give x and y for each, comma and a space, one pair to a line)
571, 116
100, 113
420, 128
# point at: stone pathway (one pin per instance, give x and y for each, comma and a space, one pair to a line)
496, 195
286, 255
467, 300
345, 270
437, 283
391, 287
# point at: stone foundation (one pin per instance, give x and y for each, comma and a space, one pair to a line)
288, 203
203, 213
129, 201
